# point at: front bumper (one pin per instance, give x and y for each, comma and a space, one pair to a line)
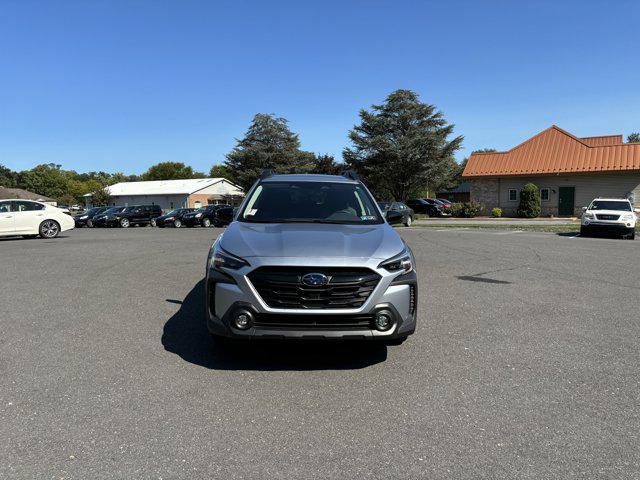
226, 294
608, 227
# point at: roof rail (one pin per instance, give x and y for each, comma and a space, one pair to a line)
351, 174
266, 173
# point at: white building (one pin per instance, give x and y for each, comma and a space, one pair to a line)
170, 194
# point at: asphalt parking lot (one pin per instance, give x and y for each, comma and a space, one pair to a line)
525, 365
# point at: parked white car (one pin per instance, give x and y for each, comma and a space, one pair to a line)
30, 219
612, 215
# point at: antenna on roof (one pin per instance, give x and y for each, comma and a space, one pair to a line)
266, 173
351, 174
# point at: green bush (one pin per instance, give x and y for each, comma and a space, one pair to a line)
496, 212
529, 201
466, 210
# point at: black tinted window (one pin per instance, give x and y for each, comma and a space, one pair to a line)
24, 206
5, 207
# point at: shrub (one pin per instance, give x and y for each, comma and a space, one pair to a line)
529, 201
466, 210
496, 212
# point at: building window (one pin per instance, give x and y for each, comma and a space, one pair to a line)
544, 194
513, 195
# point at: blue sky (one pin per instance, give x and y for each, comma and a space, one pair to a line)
121, 85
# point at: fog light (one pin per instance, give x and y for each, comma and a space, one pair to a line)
383, 320
243, 320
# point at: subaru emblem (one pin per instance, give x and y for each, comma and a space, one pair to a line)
315, 279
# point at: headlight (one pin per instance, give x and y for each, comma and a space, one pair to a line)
588, 215
400, 263
221, 259
628, 216
198, 215
170, 218
84, 217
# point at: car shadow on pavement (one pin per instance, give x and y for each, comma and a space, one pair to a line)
186, 335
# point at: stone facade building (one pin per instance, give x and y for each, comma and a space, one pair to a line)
569, 171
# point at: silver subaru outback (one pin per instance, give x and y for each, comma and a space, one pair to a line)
311, 257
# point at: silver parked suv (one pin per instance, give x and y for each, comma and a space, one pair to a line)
311, 256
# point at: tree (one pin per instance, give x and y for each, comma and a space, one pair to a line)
220, 171
267, 144
170, 171
327, 165
633, 137
7, 177
485, 150
529, 201
402, 146
101, 198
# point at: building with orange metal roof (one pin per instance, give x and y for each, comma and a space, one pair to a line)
569, 171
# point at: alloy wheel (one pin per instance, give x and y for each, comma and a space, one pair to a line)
50, 229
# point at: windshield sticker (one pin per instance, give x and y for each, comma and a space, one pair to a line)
367, 217
252, 211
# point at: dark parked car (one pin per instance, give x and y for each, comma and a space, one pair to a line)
224, 216
107, 217
138, 215
171, 219
427, 207
444, 201
401, 208
85, 219
205, 216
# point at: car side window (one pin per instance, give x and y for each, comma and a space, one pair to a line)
5, 207
23, 206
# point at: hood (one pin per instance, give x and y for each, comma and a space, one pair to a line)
311, 240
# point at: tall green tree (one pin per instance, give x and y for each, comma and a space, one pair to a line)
170, 171
100, 198
7, 177
633, 137
402, 146
267, 144
220, 171
326, 165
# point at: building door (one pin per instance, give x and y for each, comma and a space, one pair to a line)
566, 200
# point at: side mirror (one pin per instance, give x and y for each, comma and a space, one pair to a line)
584, 209
393, 217
636, 210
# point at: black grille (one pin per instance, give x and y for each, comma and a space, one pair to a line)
607, 217
281, 287
313, 322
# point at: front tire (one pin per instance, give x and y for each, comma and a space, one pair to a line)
125, 223
206, 223
153, 222
49, 229
584, 232
90, 223
177, 223
408, 222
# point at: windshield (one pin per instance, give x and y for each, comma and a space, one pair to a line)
610, 205
310, 202
93, 210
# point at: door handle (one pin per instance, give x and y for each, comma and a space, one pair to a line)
39, 214
9, 216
